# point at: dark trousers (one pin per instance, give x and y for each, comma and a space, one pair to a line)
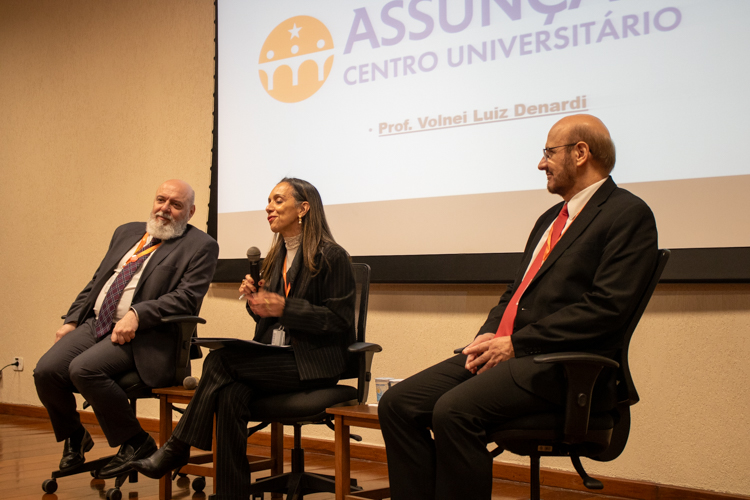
77, 362
458, 407
231, 379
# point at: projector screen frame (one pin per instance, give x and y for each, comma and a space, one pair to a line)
687, 265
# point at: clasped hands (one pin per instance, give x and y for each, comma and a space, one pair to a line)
264, 304
487, 351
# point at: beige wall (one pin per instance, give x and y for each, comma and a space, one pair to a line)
99, 99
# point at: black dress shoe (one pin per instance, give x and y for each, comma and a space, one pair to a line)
73, 453
122, 462
173, 455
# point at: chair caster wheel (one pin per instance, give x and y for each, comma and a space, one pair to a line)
114, 494
199, 484
49, 486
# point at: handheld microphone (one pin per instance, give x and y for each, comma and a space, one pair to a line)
253, 255
190, 382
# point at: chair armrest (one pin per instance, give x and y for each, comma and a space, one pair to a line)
364, 351
582, 370
359, 347
576, 357
183, 318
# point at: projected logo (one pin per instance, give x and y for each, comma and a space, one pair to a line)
296, 59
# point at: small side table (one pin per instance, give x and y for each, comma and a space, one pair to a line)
201, 464
344, 418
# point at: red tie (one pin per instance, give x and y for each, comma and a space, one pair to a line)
509, 316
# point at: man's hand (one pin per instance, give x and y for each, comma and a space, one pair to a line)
267, 304
64, 330
486, 351
124, 330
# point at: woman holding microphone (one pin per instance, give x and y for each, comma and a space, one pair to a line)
305, 300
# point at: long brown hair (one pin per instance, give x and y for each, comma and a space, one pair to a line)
315, 230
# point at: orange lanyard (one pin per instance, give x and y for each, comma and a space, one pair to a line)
138, 253
287, 286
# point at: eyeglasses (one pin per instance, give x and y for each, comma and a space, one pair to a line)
547, 152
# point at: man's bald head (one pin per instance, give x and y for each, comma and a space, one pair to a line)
174, 205
181, 188
592, 131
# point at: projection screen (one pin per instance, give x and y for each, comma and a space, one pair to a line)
421, 122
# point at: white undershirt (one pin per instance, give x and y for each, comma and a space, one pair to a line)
127, 295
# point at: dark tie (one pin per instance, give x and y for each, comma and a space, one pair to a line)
114, 294
509, 316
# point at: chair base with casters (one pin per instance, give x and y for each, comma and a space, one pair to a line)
294, 409
136, 389
184, 326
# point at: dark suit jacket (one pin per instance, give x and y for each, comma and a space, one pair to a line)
319, 313
174, 281
584, 293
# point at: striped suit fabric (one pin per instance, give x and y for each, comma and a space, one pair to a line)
319, 322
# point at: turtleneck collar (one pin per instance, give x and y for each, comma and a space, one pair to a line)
292, 242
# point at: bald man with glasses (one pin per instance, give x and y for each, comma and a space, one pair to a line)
586, 262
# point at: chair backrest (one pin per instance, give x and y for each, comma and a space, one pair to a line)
626, 393
626, 388
362, 280
359, 364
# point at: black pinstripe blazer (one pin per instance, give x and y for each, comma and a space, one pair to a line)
319, 313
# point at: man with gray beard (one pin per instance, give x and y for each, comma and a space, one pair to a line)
151, 270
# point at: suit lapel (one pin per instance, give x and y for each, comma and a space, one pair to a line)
578, 226
158, 256
117, 252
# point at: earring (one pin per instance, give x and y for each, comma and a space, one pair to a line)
300, 219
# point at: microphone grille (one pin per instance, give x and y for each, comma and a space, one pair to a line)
253, 254
190, 382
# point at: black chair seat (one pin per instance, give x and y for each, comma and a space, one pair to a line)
526, 435
302, 407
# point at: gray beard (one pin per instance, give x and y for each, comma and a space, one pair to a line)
172, 229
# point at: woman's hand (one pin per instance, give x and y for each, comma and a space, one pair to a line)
266, 304
247, 287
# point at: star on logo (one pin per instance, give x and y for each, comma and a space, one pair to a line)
295, 31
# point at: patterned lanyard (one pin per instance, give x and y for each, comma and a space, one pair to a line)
139, 252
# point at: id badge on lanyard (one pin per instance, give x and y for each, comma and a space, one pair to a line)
279, 336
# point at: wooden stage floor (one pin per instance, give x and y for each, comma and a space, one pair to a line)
29, 453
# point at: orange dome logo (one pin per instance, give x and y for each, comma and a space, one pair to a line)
296, 59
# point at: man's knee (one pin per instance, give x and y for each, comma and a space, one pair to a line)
450, 410
49, 369
389, 402
79, 371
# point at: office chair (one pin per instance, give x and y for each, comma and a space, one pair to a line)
309, 407
182, 326
579, 432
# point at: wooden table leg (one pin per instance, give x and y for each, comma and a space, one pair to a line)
165, 431
342, 471
214, 451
